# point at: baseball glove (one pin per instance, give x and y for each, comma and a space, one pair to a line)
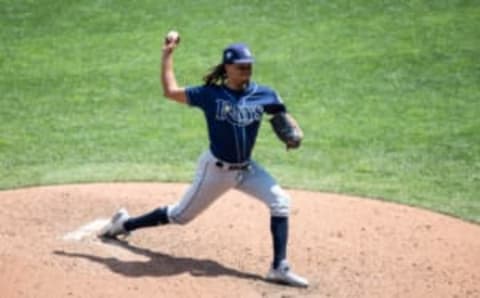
287, 130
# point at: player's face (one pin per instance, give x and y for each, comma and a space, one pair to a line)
239, 72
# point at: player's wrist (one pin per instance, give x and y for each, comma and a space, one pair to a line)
167, 51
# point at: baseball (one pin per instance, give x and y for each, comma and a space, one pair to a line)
173, 36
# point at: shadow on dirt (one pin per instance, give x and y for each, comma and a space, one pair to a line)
159, 264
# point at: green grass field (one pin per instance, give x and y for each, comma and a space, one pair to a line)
387, 92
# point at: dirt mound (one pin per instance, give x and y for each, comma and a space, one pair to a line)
346, 247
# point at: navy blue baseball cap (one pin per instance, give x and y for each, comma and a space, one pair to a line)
237, 53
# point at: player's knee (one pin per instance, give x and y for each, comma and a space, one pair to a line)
177, 217
280, 205
281, 208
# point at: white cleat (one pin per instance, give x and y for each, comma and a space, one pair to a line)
115, 227
284, 275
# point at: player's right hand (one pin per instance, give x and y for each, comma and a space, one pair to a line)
172, 39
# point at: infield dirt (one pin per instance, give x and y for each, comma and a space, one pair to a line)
345, 246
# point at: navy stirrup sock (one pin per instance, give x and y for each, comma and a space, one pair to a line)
279, 229
156, 217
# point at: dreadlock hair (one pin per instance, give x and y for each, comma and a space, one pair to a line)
216, 76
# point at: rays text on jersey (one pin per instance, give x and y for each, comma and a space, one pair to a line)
239, 115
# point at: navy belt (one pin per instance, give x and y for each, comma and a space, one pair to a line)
232, 167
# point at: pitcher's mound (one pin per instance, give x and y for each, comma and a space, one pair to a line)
346, 247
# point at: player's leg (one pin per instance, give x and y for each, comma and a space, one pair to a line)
209, 183
260, 184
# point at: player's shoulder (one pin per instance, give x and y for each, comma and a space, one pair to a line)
204, 89
268, 92
263, 88
213, 88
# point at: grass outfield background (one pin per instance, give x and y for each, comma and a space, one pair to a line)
387, 92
